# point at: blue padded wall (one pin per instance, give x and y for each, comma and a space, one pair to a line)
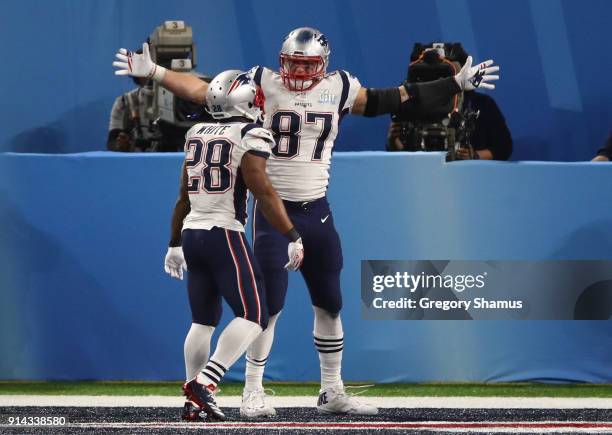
84, 295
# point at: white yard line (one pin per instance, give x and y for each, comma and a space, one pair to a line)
307, 401
318, 427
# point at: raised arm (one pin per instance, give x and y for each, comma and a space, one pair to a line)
184, 85
373, 102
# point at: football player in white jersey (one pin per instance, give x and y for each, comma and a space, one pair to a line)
304, 105
222, 160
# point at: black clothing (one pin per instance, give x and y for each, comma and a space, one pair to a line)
491, 131
606, 150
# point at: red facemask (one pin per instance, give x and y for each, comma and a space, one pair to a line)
301, 73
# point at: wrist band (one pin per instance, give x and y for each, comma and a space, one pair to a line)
158, 73
292, 235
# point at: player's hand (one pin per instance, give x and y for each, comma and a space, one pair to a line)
174, 263
296, 255
478, 76
137, 65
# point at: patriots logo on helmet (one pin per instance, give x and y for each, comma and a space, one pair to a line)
242, 79
322, 40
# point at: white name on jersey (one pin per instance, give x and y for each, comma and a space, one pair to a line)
213, 155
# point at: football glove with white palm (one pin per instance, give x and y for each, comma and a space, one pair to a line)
477, 76
174, 263
295, 251
138, 65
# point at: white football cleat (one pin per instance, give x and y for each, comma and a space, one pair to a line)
254, 405
336, 401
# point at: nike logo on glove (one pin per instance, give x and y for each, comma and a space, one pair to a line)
324, 219
477, 78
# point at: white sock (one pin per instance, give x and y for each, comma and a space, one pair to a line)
197, 349
329, 342
212, 374
257, 356
233, 342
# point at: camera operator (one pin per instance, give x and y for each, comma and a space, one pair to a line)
150, 118
130, 127
604, 154
476, 122
491, 139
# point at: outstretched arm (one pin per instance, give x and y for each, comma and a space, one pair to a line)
373, 102
386, 101
184, 85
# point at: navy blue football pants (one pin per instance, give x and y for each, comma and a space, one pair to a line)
322, 255
220, 264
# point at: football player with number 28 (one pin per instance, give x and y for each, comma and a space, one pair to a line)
304, 105
222, 160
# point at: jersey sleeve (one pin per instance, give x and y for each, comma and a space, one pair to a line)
257, 140
350, 88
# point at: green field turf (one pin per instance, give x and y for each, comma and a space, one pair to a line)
311, 389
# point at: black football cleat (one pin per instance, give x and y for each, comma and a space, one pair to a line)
203, 397
191, 412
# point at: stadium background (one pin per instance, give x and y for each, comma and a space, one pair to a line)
84, 295
58, 85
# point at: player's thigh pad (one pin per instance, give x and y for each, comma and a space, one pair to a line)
238, 276
323, 259
204, 298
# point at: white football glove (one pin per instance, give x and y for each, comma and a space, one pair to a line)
478, 76
296, 255
174, 263
138, 65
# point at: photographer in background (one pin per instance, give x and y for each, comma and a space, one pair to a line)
491, 139
469, 127
151, 118
131, 126
604, 154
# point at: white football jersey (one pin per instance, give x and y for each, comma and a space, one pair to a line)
305, 126
213, 153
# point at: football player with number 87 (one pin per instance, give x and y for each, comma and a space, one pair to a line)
303, 107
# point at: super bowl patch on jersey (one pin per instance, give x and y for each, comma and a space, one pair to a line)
326, 97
